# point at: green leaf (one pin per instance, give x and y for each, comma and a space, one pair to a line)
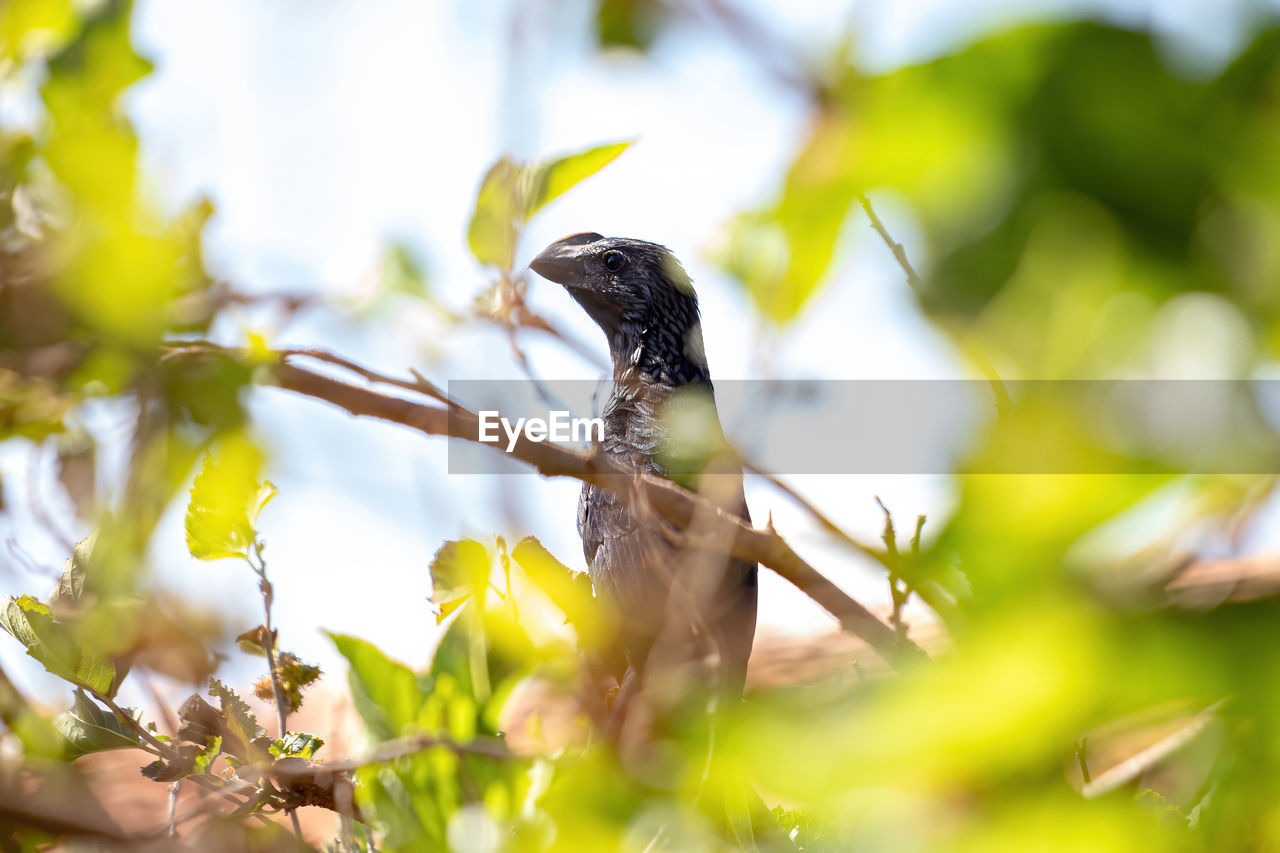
782, 252
492, 232
402, 272
386, 692
34, 26
226, 499
568, 590
511, 193
459, 570
544, 182
204, 758
49, 642
241, 722
445, 609
296, 745
91, 729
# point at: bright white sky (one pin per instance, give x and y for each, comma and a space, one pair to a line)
322, 130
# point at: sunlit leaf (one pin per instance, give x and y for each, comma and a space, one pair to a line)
225, 501
205, 757
50, 643
781, 253
512, 193
459, 570
386, 692
296, 745
543, 182
568, 590
35, 26
492, 232
122, 264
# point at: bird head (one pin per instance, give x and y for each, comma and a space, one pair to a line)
636, 292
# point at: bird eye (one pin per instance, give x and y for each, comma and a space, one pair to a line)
614, 261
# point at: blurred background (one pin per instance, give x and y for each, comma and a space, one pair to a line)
1083, 190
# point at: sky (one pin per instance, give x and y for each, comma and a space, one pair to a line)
322, 131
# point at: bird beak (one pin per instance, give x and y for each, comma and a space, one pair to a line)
562, 261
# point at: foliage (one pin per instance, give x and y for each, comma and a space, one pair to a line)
1081, 208
512, 193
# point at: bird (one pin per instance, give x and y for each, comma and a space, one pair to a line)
676, 605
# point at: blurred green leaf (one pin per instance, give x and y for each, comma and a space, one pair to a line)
386, 692
90, 729
39, 737
569, 591
207, 391
31, 408
55, 647
121, 264
459, 571
402, 272
492, 232
782, 252
544, 181
35, 26
225, 501
512, 193
629, 23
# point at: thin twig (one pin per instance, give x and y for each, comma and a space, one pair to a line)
522, 360
259, 566
155, 745
526, 319
1003, 402
889, 537
894, 246
899, 589
1083, 761
174, 787
420, 383
818, 515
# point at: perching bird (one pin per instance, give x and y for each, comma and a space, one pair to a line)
674, 604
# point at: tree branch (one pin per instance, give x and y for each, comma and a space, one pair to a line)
732, 535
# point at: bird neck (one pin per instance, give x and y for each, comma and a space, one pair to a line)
659, 351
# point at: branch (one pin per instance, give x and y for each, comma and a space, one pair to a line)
1003, 402
818, 515
732, 536
329, 784
259, 567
